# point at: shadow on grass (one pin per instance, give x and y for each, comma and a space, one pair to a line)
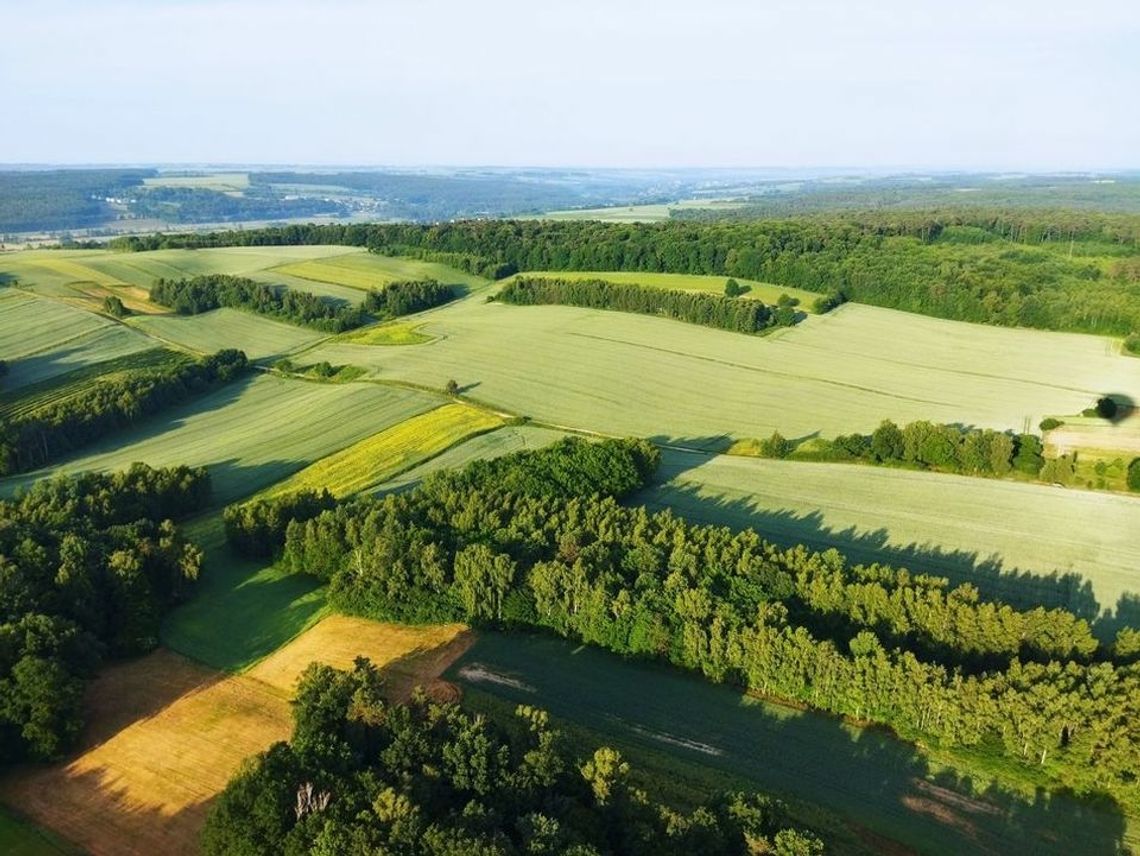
1019, 587
866, 775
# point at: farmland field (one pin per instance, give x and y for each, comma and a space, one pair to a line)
845, 371
221, 181
366, 464
41, 338
261, 338
164, 735
1026, 544
765, 291
865, 775
391, 333
364, 270
239, 432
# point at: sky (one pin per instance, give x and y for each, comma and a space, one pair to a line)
1000, 84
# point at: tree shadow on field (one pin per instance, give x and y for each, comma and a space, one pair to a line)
866, 775
1019, 587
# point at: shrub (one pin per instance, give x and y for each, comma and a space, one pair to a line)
1134, 475
1049, 423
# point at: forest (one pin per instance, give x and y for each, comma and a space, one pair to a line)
88, 567
710, 310
52, 429
364, 775
875, 643
1058, 270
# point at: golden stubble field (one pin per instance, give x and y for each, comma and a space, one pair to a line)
164, 735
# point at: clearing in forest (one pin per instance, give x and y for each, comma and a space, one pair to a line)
766, 291
165, 735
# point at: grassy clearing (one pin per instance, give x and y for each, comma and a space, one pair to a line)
62, 387
223, 182
362, 270
261, 338
41, 339
765, 291
637, 213
391, 333
250, 434
865, 775
1024, 543
165, 735
846, 371
370, 462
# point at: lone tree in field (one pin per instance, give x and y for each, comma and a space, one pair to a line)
732, 289
1134, 475
114, 306
452, 387
1106, 407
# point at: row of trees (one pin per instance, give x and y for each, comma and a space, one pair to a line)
875, 643
42, 433
1024, 267
711, 310
365, 776
211, 291
88, 566
405, 298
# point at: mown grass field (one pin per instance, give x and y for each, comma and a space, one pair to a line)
58, 389
250, 434
363, 270
765, 291
373, 460
1026, 544
40, 339
866, 776
165, 735
846, 371
261, 338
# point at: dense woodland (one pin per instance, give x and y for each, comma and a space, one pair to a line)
710, 310
211, 291
875, 643
43, 433
88, 566
362, 775
31, 200
1060, 270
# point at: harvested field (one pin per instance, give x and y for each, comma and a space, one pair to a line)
165, 735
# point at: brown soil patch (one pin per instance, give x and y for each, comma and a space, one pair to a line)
165, 735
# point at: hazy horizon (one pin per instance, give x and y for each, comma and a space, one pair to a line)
900, 87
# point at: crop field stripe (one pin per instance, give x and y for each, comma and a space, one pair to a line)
382, 456
261, 338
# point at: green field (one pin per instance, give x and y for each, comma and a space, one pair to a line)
846, 371
252, 433
765, 291
391, 333
224, 182
41, 339
242, 610
651, 213
362, 270
1026, 544
261, 338
18, 838
866, 775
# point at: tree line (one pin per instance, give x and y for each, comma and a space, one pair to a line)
43, 433
199, 294
876, 643
709, 310
1009, 267
362, 775
88, 567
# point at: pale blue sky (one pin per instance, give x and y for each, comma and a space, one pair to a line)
962, 84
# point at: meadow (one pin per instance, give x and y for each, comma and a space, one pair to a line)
363, 270
1025, 544
765, 291
373, 460
41, 339
250, 434
845, 371
867, 776
261, 338
20, 838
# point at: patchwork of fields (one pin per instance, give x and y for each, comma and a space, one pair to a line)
165, 735
250, 434
845, 371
